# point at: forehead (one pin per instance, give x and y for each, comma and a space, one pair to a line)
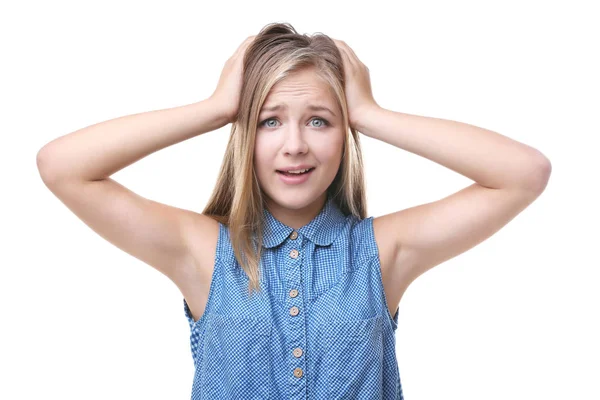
300, 88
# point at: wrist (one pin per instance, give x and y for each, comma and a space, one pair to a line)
220, 110
366, 114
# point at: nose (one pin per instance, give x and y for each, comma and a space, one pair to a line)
295, 141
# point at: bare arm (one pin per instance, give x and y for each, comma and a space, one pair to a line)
179, 243
76, 168
98, 151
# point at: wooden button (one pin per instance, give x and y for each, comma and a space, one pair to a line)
297, 352
294, 253
294, 311
293, 293
294, 235
298, 372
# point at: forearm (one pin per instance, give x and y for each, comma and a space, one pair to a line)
486, 157
100, 150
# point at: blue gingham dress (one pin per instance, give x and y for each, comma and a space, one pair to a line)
319, 329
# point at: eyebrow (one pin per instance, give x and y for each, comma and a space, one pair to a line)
310, 107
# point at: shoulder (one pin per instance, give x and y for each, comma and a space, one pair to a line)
369, 239
362, 237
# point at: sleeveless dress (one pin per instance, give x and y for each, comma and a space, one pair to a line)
320, 327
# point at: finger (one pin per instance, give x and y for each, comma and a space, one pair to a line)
242, 47
352, 52
248, 41
345, 49
338, 43
350, 61
353, 55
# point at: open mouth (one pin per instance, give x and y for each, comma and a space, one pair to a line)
295, 174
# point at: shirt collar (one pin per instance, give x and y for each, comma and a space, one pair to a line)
322, 230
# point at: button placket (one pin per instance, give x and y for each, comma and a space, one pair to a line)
297, 321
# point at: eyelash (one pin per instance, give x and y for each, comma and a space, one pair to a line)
325, 122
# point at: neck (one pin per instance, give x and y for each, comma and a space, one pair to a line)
296, 218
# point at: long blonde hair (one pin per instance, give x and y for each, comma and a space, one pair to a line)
237, 200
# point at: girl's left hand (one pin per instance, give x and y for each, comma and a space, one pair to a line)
359, 95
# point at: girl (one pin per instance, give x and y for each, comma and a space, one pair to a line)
290, 290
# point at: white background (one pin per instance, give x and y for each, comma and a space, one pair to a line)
514, 318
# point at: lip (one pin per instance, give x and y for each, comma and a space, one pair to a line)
295, 167
295, 180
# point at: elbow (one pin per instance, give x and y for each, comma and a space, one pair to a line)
43, 162
539, 173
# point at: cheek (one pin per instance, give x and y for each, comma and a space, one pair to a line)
262, 158
332, 152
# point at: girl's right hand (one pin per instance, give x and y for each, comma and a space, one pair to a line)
227, 94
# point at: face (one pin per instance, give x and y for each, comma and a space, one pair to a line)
296, 135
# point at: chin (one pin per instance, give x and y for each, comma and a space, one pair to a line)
294, 200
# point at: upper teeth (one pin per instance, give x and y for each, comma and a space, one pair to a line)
299, 171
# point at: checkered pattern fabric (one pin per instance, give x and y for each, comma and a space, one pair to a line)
319, 329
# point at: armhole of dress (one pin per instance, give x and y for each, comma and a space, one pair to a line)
392, 320
216, 269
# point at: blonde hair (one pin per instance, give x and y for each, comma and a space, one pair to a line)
237, 200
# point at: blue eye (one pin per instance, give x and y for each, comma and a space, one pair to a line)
324, 121
266, 120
